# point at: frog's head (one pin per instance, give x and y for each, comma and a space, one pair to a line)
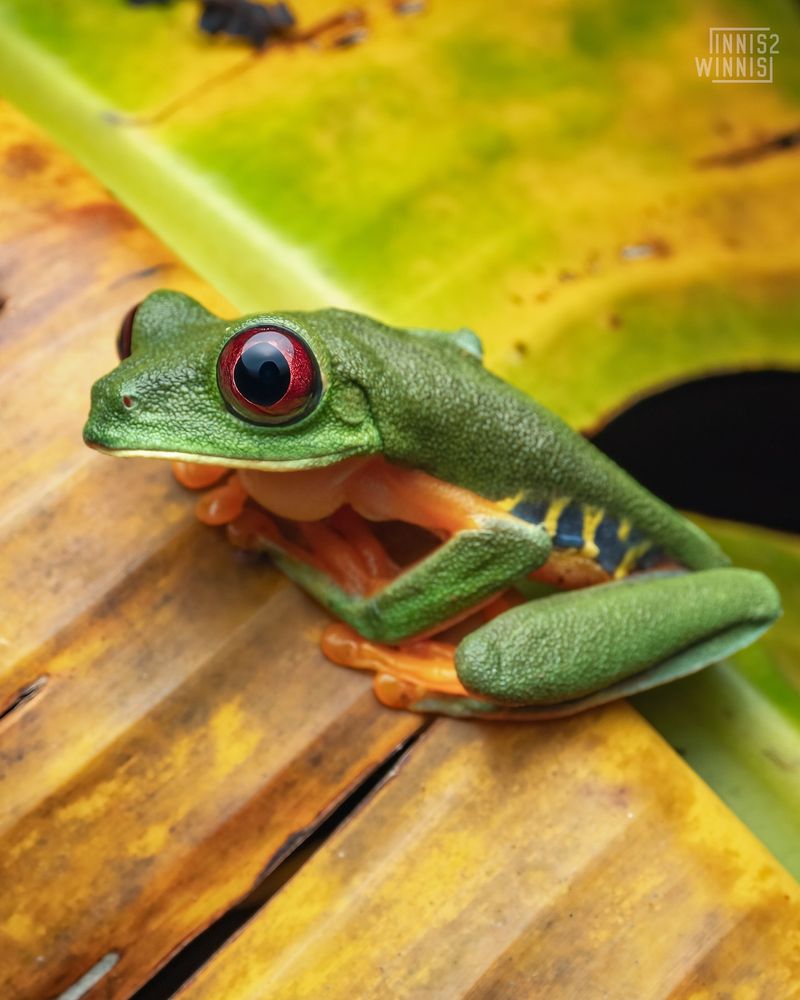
257, 392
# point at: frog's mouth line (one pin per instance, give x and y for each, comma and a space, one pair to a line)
286, 465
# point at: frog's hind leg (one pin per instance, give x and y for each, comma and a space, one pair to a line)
419, 676
427, 664
568, 652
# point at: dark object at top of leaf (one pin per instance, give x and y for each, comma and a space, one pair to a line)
255, 22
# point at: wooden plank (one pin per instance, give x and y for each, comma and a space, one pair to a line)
186, 727
577, 859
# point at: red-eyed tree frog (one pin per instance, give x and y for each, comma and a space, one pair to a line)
310, 429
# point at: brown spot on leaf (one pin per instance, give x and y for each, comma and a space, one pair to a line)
406, 7
22, 159
780, 761
781, 142
592, 262
645, 249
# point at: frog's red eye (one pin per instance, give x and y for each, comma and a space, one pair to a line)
268, 375
125, 335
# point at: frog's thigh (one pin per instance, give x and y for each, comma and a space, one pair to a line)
584, 647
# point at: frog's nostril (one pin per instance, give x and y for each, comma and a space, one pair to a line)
128, 401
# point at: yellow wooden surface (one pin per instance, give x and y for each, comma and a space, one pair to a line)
186, 727
579, 859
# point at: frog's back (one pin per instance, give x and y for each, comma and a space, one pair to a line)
593, 508
437, 408
589, 505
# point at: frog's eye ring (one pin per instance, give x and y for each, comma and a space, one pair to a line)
268, 375
125, 335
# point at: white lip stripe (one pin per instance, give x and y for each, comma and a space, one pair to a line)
314, 461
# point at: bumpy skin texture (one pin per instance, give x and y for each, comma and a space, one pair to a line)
420, 398
171, 378
569, 645
423, 399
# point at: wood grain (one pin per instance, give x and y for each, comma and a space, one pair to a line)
187, 726
573, 860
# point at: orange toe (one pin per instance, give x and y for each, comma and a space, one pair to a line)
222, 505
195, 476
394, 693
428, 664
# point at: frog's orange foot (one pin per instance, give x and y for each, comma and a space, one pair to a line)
417, 677
222, 504
195, 476
254, 530
404, 674
216, 506
395, 693
342, 547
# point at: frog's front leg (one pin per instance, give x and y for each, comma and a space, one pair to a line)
484, 549
459, 576
567, 652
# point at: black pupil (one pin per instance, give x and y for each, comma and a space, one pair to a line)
262, 373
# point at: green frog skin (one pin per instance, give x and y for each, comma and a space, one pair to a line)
307, 430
